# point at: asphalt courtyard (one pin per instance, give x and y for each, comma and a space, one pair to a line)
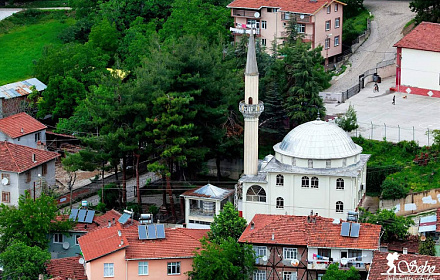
410, 118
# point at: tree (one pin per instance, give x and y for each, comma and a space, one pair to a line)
394, 227
30, 222
227, 224
104, 35
22, 262
427, 247
348, 122
353, 8
228, 260
427, 10
333, 273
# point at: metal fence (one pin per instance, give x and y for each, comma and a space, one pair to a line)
393, 133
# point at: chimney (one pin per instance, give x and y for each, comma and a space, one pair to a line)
109, 223
252, 225
273, 236
22, 130
34, 158
405, 251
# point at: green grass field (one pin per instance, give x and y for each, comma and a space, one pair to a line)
22, 45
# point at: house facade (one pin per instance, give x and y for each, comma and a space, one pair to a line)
22, 129
24, 169
203, 204
417, 67
130, 251
318, 22
302, 247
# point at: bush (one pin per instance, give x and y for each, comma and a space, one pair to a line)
111, 196
393, 189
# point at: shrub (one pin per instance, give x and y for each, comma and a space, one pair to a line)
393, 189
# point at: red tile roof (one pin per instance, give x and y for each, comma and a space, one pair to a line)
295, 6
66, 268
424, 37
18, 158
411, 243
178, 243
379, 266
19, 125
296, 230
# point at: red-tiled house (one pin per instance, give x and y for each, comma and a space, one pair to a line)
23, 168
66, 269
389, 266
22, 129
302, 247
118, 252
319, 21
418, 54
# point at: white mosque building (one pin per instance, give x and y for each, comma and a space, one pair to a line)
317, 167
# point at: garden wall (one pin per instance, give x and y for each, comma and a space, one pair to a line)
414, 202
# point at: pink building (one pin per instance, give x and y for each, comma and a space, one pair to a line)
320, 21
134, 251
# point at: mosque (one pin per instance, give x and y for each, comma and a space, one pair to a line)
317, 167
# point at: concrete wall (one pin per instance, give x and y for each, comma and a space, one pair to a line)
420, 69
56, 249
95, 268
27, 140
413, 203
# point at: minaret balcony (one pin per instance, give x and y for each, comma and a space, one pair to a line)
251, 110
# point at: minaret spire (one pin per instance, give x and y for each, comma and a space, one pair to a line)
251, 108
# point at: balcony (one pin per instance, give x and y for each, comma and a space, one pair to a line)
200, 212
305, 37
324, 264
240, 30
299, 18
244, 13
251, 110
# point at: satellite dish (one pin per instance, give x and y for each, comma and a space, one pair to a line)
66, 245
344, 261
294, 262
81, 260
5, 181
301, 16
257, 14
264, 258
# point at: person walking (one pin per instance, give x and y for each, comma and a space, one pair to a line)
394, 100
376, 87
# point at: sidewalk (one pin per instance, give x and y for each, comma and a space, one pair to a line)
409, 119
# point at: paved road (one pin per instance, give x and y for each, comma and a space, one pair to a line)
389, 19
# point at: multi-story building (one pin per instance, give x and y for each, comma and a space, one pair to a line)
318, 21
23, 129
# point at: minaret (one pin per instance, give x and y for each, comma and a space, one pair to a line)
251, 109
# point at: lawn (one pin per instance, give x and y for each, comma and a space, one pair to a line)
355, 26
21, 45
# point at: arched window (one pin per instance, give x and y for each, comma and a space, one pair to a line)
280, 180
250, 100
280, 202
305, 183
310, 163
315, 182
339, 207
256, 193
339, 184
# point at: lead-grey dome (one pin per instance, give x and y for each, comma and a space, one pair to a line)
318, 140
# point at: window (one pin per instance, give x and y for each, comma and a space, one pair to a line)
336, 41
344, 162
143, 268
272, 10
310, 162
280, 202
6, 197
336, 7
263, 24
289, 253
325, 253
289, 275
314, 182
7, 176
327, 25
301, 28
259, 275
355, 254
76, 239
44, 169
305, 183
293, 161
263, 42
327, 43
253, 23
260, 251
173, 268
109, 270
256, 193
28, 177
337, 22
58, 238
339, 184
328, 163
329, 9
287, 16
37, 136
339, 207
280, 180
18, 139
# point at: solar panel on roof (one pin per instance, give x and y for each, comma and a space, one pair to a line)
82, 215
124, 218
151, 229
355, 227
345, 229
89, 217
73, 214
142, 231
160, 231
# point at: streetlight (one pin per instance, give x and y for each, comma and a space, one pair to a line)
327, 39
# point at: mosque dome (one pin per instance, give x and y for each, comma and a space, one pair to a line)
318, 140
